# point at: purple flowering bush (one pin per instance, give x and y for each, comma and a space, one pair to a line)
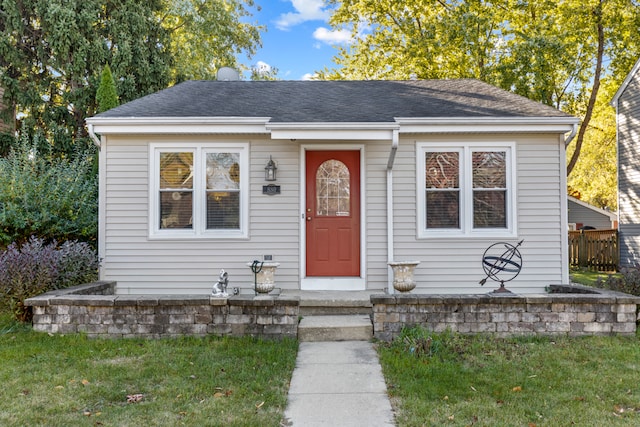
35, 267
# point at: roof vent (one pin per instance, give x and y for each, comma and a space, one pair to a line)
227, 74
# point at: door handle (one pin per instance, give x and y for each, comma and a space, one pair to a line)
308, 218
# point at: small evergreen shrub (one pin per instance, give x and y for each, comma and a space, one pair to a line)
36, 267
629, 283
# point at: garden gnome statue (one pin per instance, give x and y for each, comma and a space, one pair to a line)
220, 288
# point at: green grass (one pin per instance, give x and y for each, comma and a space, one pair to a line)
589, 277
484, 381
75, 381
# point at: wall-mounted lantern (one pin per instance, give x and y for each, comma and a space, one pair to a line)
270, 170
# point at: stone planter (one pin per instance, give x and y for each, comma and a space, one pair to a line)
403, 280
265, 278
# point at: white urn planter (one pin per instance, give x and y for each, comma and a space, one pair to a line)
265, 277
403, 272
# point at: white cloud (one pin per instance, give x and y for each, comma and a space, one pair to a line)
306, 10
332, 37
309, 76
262, 67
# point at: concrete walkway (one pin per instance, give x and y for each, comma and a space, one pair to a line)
338, 384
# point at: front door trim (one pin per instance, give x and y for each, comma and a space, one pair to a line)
331, 283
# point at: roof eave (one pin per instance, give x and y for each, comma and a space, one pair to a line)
333, 130
328, 130
487, 124
174, 125
625, 83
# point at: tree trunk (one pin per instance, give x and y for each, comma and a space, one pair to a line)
594, 91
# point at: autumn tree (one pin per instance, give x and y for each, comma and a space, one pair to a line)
553, 51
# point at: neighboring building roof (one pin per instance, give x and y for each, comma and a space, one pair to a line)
334, 101
625, 83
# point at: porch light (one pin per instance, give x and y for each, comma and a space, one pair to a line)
270, 170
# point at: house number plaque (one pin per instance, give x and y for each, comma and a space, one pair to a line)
271, 189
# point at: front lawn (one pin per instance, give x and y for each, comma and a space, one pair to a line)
451, 379
74, 381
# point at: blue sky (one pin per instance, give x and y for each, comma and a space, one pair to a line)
298, 40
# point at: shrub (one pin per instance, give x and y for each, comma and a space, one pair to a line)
35, 267
47, 197
629, 282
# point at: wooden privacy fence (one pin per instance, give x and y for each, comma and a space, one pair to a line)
596, 249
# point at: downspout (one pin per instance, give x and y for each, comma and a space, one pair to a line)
572, 135
93, 135
563, 204
392, 156
101, 201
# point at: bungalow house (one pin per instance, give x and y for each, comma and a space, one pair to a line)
626, 101
332, 180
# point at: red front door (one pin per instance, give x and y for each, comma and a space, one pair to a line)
333, 213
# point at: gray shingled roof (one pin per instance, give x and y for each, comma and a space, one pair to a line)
333, 101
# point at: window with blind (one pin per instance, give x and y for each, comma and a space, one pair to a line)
465, 190
199, 190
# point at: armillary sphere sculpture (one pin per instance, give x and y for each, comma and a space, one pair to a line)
502, 263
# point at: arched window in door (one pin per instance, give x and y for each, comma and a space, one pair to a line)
333, 193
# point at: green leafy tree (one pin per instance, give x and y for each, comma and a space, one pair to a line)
106, 95
207, 35
553, 51
52, 52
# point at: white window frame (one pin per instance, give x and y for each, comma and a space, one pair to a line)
199, 229
466, 229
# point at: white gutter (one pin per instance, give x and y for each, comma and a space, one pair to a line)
93, 135
569, 138
392, 155
486, 124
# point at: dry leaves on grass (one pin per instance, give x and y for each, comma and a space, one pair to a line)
135, 398
619, 410
220, 392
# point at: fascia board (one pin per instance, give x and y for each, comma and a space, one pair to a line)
178, 125
487, 125
332, 131
612, 215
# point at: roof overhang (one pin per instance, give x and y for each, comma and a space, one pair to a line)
327, 130
487, 124
178, 125
333, 131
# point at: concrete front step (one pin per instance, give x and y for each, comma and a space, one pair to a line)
316, 303
355, 327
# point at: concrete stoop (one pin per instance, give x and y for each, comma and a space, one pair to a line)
355, 327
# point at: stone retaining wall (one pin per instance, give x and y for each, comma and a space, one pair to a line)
94, 310
549, 314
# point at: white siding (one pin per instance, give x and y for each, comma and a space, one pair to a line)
454, 265
155, 266
141, 265
629, 172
